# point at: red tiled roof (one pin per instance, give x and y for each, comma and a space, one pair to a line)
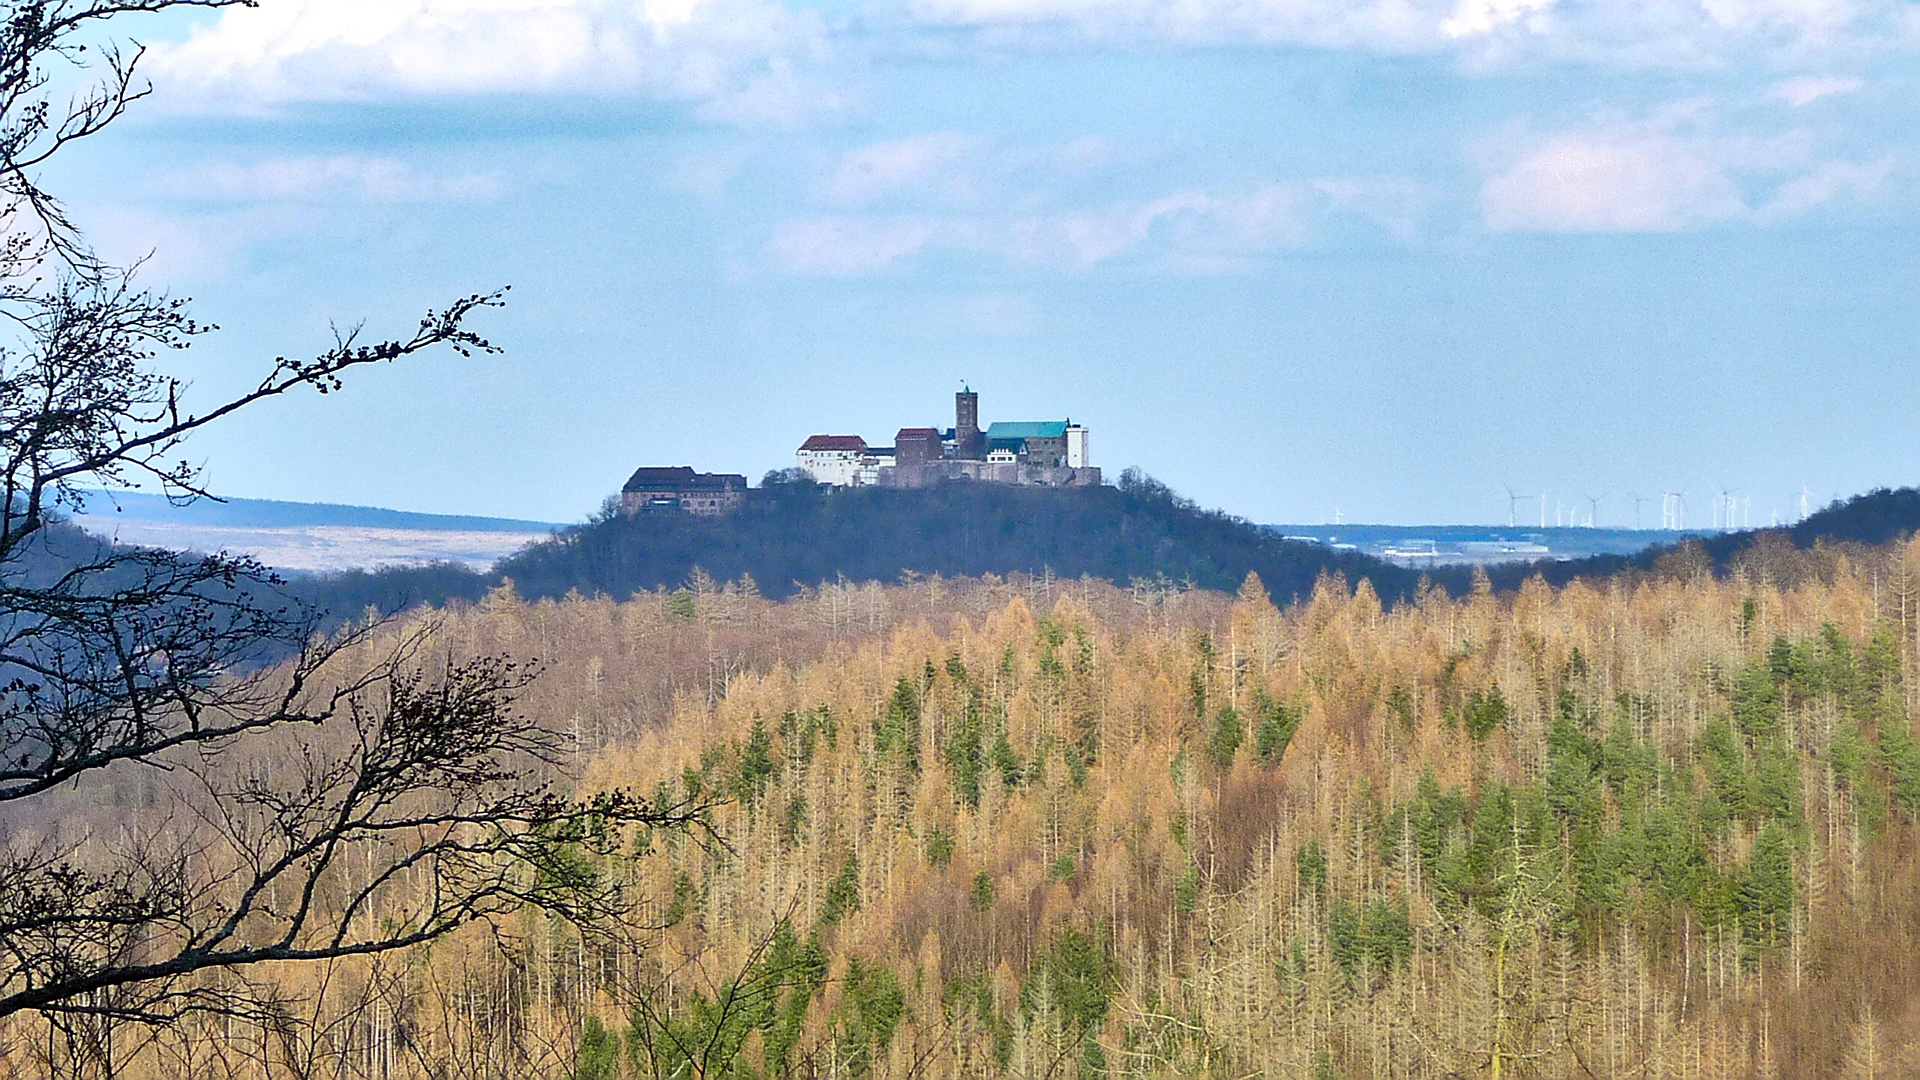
918, 433
834, 442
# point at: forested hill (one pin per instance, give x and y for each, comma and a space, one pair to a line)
791, 534
1876, 517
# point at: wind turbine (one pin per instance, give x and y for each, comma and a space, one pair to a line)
1637, 500
1673, 510
1593, 507
1513, 522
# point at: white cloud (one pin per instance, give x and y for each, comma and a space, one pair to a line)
1808, 89
1640, 33
844, 246
735, 56
1670, 173
313, 179
1094, 236
1001, 314
1474, 17
763, 60
1763, 15
1394, 25
1830, 181
181, 248
883, 168
202, 221
950, 168
1395, 203
1185, 231
1052, 206
1611, 181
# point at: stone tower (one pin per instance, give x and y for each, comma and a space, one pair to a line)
967, 443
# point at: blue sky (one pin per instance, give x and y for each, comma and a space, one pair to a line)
1293, 257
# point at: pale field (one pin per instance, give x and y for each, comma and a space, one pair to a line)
320, 547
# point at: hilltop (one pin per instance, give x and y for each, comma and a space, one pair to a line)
1879, 516
793, 534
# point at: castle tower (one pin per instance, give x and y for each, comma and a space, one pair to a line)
967, 443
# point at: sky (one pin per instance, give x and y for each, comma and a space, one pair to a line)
1392, 260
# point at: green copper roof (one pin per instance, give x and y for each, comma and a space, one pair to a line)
1027, 429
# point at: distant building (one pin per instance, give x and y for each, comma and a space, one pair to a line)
834, 459
680, 488
1043, 443
878, 460
1048, 453
914, 447
1078, 455
967, 442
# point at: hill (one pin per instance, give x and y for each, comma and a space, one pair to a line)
1876, 517
103, 506
796, 534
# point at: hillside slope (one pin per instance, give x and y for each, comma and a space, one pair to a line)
1876, 517
791, 535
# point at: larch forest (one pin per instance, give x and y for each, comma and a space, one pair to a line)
1656, 825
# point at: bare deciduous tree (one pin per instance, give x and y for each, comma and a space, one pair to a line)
315, 803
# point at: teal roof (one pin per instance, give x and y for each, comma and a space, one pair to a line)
1027, 429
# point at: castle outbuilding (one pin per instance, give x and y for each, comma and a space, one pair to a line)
835, 459
680, 488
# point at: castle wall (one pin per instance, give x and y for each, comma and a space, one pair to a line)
935, 472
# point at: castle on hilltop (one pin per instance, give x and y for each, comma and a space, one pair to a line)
1047, 453
680, 488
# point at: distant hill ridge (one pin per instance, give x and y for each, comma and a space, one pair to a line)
274, 513
1875, 517
1880, 516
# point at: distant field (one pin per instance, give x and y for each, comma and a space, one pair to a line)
1420, 546
316, 537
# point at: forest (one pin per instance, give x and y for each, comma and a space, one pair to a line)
789, 535
1660, 824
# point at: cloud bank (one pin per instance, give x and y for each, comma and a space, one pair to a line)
1668, 173
1649, 33
739, 59
887, 202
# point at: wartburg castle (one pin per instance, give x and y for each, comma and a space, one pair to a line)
1044, 453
